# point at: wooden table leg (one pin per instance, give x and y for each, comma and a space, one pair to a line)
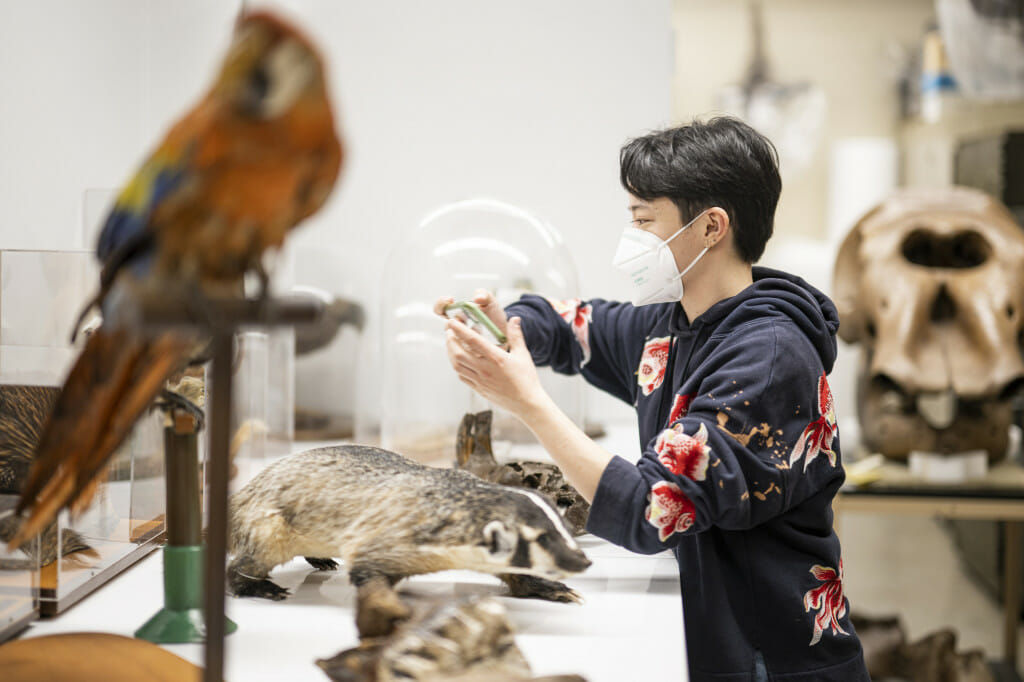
1011, 590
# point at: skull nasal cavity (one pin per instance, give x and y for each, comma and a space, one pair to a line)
966, 249
943, 307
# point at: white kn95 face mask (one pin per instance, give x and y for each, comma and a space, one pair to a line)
650, 266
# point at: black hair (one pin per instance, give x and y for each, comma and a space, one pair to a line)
719, 162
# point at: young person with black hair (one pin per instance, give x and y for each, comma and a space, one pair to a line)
726, 364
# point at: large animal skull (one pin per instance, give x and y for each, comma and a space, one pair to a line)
930, 283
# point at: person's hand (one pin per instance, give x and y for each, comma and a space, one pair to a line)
442, 303
487, 303
506, 378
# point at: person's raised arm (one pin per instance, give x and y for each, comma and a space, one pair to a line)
509, 380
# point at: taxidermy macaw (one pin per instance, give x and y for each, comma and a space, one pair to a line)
257, 155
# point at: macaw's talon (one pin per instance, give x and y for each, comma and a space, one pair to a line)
322, 564
170, 401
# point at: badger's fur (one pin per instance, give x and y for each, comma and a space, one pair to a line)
388, 517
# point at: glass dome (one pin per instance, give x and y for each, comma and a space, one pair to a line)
455, 250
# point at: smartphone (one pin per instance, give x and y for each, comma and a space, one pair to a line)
473, 312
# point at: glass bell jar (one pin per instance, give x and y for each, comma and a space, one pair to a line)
455, 250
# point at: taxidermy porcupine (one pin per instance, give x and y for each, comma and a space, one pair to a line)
470, 640
23, 411
388, 518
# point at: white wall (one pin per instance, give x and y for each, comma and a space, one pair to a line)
853, 50
87, 89
526, 101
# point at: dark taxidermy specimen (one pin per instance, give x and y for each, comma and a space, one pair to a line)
932, 658
388, 517
473, 453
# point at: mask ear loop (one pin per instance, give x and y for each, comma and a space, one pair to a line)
692, 263
677, 232
707, 247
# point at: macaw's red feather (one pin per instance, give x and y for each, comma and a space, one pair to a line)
113, 381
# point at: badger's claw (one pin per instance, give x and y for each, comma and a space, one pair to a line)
378, 609
322, 564
532, 587
258, 588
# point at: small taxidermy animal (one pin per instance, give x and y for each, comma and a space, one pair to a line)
23, 411
473, 453
469, 640
387, 518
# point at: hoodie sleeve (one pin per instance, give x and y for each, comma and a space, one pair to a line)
582, 337
754, 439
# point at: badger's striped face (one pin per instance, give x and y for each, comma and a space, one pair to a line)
538, 543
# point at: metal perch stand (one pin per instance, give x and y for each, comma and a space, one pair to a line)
221, 319
181, 618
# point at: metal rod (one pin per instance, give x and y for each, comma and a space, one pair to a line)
217, 465
1011, 590
184, 509
222, 315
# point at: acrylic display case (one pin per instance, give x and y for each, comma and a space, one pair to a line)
19, 577
41, 295
324, 383
124, 523
326, 360
263, 376
454, 251
263, 399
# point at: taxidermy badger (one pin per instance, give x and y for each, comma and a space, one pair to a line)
388, 517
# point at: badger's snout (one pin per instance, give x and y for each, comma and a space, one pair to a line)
574, 562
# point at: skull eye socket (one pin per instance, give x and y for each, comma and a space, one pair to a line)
965, 249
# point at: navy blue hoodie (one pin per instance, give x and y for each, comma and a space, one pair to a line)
739, 466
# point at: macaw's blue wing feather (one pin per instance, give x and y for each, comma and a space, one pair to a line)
127, 237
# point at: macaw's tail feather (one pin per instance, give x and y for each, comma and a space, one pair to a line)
112, 383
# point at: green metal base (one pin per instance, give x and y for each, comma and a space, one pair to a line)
174, 627
181, 620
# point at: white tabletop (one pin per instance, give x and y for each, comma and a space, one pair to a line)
629, 626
